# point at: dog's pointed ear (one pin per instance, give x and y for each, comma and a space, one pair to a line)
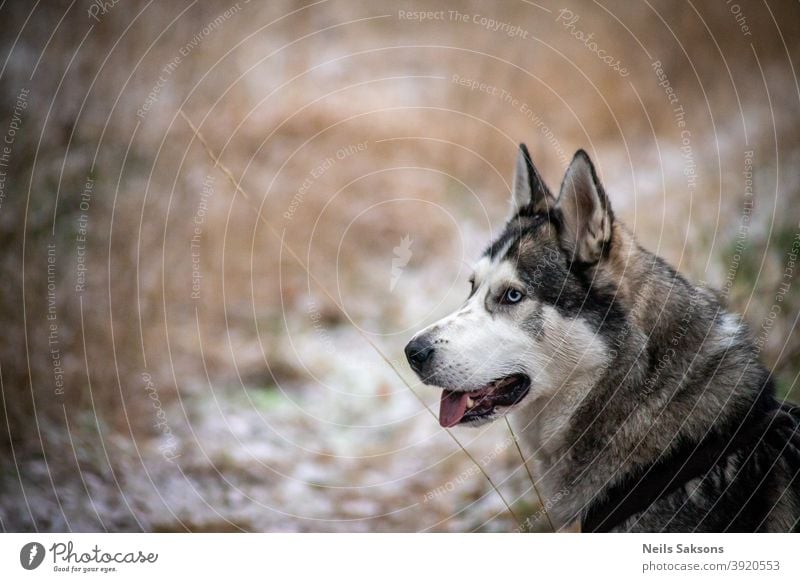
530, 191
586, 216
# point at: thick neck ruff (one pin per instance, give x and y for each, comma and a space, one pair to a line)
767, 420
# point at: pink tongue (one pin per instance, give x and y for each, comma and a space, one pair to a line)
452, 407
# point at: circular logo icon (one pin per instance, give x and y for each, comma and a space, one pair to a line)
31, 555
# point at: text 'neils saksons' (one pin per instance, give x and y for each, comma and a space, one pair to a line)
681, 549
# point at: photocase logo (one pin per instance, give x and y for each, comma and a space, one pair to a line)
402, 254
31, 555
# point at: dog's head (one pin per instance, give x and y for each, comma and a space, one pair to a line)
534, 313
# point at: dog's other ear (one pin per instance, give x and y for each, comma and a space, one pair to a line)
530, 192
585, 210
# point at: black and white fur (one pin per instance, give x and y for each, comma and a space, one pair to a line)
647, 402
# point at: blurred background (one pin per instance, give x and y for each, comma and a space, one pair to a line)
187, 350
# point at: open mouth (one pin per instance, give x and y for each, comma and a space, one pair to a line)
460, 407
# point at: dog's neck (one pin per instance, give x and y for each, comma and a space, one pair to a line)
602, 423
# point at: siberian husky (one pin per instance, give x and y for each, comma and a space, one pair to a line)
634, 390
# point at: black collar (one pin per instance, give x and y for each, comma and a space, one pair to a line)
689, 460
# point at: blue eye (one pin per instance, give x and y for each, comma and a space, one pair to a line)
511, 296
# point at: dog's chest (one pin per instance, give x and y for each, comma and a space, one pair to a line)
543, 426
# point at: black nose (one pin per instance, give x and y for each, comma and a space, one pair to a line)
419, 351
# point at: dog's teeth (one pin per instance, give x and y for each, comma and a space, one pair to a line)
470, 402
